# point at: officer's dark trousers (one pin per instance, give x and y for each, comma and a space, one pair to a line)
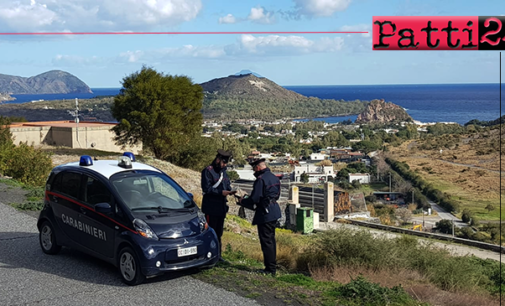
217, 223
266, 232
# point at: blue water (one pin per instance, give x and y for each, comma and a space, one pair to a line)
427, 103
49, 97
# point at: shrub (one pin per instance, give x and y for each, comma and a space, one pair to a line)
27, 164
363, 292
233, 175
444, 226
467, 215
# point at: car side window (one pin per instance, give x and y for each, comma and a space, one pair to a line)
68, 183
96, 192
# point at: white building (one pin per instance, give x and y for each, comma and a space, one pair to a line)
316, 173
363, 178
318, 156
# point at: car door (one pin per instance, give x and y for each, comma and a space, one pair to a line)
99, 228
64, 200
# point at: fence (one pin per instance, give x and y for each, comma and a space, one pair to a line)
313, 198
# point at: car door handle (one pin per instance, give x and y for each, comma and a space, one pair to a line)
83, 210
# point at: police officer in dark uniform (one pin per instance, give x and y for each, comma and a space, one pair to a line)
216, 187
263, 199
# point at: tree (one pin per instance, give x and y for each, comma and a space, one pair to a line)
356, 184
233, 175
403, 214
161, 111
490, 207
445, 226
304, 178
466, 215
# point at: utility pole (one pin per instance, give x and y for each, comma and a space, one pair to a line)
389, 182
312, 196
452, 228
77, 118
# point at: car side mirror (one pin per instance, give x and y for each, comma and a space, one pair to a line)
103, 208
190, 195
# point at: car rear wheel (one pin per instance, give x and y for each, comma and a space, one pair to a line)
129, 267
47, 239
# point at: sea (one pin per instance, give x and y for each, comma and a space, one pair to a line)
458, 103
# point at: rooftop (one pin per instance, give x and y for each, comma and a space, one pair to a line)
65, 123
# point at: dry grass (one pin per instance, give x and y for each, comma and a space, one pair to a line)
475, 183
434, 296
414, 284
386, 278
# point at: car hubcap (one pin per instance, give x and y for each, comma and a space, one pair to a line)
47, 242
127, 266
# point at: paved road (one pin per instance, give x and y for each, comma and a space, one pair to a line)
30, 277
445, 215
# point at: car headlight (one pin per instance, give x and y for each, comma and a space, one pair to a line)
144, 229
202, 221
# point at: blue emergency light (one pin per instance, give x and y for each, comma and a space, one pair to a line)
130, 155
86, 160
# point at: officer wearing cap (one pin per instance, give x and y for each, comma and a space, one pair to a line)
263, 199
216, 187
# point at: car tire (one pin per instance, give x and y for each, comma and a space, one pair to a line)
47, 239
129, 267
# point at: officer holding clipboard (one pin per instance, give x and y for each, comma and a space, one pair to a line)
216, 187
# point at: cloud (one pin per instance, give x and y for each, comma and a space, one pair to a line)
320, 8
227, 19
358, 28
247, 46
74, 60
358, 42
94, 15
261, 15
275, 45
187, 51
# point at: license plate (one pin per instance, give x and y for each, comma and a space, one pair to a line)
186, 251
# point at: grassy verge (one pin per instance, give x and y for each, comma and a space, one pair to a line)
342, 255
239, 275
32, 198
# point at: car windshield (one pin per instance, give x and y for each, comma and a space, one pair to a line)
151, 191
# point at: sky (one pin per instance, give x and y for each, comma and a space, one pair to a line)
102, 61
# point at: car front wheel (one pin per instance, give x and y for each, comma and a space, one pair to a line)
129, 267
47, 239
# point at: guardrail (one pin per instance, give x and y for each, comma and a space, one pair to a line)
479, 244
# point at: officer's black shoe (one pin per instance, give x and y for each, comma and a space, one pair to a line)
267, 272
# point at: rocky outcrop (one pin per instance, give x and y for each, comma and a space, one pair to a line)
51, 82
6, 97
380, 111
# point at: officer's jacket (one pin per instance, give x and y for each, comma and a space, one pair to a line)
214, 203
266, 191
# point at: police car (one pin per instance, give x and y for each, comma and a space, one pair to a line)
126, 213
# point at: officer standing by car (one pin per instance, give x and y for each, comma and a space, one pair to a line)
216, 187
263, 199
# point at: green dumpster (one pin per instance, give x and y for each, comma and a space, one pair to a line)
304, 220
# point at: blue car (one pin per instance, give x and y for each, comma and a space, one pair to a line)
127, 213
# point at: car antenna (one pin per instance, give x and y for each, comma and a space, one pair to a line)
95, 158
